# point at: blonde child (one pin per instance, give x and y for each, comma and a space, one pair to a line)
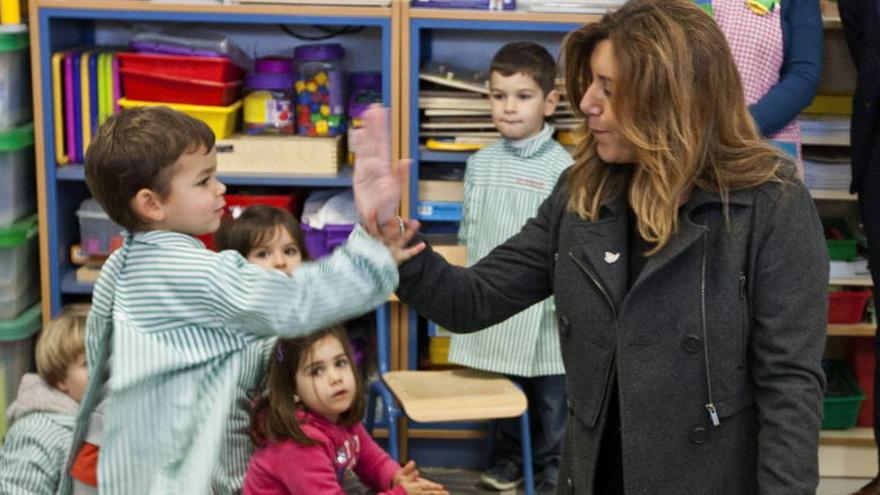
308, 429
35, 448
179, 318
504, 184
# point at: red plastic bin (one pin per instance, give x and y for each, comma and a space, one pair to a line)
157, 87
847, 306
241, 201
215, 69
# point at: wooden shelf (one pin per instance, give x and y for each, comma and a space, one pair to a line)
858, 281
833, 195
76, 172
852, 330
825, 140
269, 9
515, 16
853, 437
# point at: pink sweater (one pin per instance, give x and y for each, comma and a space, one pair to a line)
288, 467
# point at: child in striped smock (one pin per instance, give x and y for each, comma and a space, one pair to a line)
41, 417
171, 321
504, 184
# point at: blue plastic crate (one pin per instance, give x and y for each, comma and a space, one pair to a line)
438, 211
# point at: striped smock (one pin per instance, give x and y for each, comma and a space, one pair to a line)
504, 184
184, 325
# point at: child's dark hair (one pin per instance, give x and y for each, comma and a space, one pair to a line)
274, 415
527, 58
256, 226
136, 149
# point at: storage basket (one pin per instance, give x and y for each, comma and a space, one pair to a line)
162, 88
847, 306
221, 120
840, 408
19, 267
16, 354
15, 81
216, 69
17, 174
321, 242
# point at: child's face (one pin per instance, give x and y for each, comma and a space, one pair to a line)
74, 383
280, 252
325, 379
194, 204
519, 105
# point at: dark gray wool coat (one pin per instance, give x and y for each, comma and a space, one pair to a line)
727, 317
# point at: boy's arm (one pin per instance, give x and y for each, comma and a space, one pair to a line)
355, 279
30, 461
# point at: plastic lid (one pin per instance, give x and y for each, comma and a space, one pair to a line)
13, 41
365, 80
19, 232
17, 138
23, 327
274, 65
321, 51
271, 81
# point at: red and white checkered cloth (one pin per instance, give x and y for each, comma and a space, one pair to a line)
756, 43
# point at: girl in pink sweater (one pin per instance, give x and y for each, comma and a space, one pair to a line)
308, 431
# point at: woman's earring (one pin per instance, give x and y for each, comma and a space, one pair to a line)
296, 398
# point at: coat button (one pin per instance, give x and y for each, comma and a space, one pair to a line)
569, 482
564, 325
691, 343
698, 435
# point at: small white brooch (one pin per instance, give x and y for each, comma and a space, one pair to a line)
611, 257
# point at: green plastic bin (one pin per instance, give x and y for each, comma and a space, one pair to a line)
17, 338
843, 397
19, 267
15, 97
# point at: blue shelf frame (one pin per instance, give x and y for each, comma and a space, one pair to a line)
420, 50
62, 28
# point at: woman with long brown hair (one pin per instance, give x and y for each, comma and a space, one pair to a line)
688, 268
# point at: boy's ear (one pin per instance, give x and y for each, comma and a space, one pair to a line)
550, 102
62, 386
147, 204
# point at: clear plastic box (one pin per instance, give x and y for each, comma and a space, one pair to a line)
19, 267
15, 81
17, 187
16, 354
98, 235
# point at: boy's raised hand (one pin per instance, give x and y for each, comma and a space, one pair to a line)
377, 183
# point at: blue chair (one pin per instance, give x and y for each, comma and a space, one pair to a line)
444, 396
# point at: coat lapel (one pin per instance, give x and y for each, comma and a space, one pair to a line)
603, 249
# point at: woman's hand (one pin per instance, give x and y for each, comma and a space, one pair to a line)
396, 234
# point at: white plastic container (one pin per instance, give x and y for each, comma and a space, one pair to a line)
19, 267
15, 81
98, 235
17, 338
18, 189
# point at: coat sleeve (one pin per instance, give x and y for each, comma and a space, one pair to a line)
801, 68
852, 28
512, 277
32, 456
789, 299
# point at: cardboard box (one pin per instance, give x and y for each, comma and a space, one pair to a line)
279, 155
441, 190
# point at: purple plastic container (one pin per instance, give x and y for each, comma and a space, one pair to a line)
269, 81
321, 242
274, 65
